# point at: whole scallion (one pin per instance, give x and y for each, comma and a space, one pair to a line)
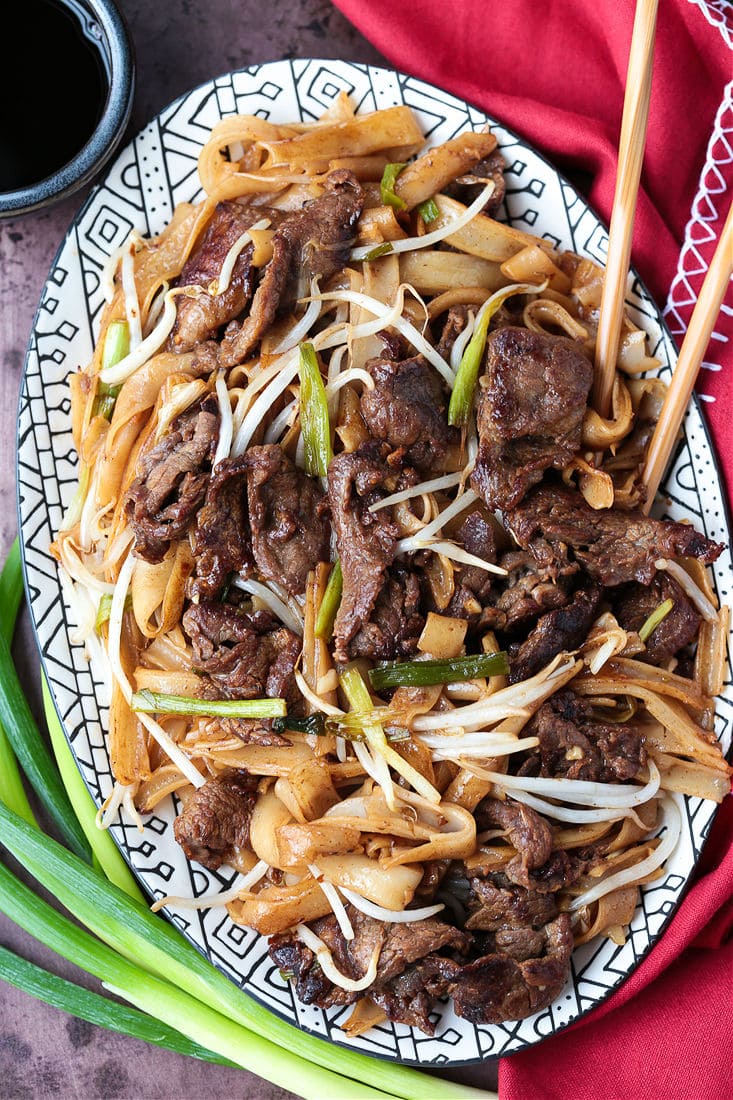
12, 791
314, 420
451, 670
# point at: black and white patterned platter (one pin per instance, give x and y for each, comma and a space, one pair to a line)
154, 173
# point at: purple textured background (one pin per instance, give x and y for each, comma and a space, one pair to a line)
178, 44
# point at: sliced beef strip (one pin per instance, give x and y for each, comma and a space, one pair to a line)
634, 603
499, 904
221, 544
527, 831
395, 623
200, 318
244, 655
314, 241
563, 629
288, 518
468, 187
508, 985
563, 534
574, 745
407, 408
172, 480
401, 945
530, 412
365, 540
215, 821
523, 595
561, 869
453, 326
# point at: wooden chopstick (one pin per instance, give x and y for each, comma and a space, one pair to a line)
630, 157
690, 358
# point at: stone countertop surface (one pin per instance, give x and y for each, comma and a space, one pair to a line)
45, 1053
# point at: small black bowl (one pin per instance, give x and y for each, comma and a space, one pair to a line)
106, 35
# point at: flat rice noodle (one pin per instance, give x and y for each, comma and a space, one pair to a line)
442, 636
300, 844
274, 909
430, 173
312, 789
431, 272
158, 590
364, 1016
394, 887
578, 836
261, 760
482, 236
544, 315
691, 777
532, 264
600, 434
127, 742
165, 780
114, 461
489, 858
467, 790
268, 815
168, 681
393, 129
611, 911
458, 843
418, 756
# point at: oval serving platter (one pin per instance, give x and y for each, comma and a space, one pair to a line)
154, 172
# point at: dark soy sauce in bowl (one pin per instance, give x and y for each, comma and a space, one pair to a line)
66, 87
53, 95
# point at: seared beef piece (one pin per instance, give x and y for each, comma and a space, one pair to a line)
563, 629
561, 869
453, 326
401, 946
221, 543
200, 318
634, 603
172, 480
527, 831
498, 904
250, 731
365, 540
509, 985
314, 241
468, 187
473, 585
563, 534
523, 595
530, 412
215, 821
407, 409
395, 623
246, 655
287, 514
574, 745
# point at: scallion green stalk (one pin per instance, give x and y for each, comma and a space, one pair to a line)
656, 617
87, 1005
449, 671
139, 935
379, 250
23, 736
326, 615
461, 400
155, 702
116, 347
314, 420
387, 184
103, 846
12, 791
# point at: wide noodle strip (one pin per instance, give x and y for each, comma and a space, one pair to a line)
352, 552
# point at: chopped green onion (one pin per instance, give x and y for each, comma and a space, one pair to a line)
314, 420
151, 702
314, 725
386, 187
84, 1004
105, 607
138, 934
24, 737
116, 347
655, 619
329, 605
383, 249
448, 671
349, 725
461, 400
428, 211
103, 846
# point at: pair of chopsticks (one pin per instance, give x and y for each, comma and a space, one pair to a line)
631, 154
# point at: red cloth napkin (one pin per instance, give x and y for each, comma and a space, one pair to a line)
555, 72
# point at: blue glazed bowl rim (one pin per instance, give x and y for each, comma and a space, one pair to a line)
116, 43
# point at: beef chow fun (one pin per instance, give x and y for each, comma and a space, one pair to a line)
373, 586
